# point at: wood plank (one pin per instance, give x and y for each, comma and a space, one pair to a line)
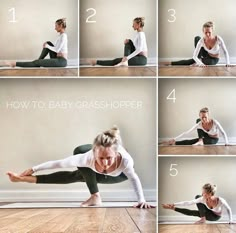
144, 219
118, 220
60, 72
196, 71
118, 71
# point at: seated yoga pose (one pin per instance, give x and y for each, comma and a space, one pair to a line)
135, 52
208, 129
209, 206
57, 52
106, 161
207, 49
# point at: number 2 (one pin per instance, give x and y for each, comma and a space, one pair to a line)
94, 13
171, 96
173, 15
173, 171
13, 15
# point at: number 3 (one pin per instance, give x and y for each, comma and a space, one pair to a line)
173, 15
94, 13
13, 15
173, 170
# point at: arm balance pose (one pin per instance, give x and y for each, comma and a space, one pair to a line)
106, 161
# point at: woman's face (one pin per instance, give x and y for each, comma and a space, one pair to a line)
205, 194
58, 27
204, 116
105, 156
208, 32
135, 26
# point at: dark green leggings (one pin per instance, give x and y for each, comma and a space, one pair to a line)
207, 140
202, 211
138, 60
83, 174
54, 61
203, 55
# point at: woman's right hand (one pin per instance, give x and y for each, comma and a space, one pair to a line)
171, 142
126, 41
168, 206
27, 172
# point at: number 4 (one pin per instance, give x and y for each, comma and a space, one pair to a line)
173, 170
171, 96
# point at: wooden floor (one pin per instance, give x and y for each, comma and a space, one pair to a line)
197, 150
196, 71
205, 228
76, 220
39, 72
118, 71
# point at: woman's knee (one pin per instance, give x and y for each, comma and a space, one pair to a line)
197, 196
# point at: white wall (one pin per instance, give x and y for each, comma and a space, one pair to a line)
35, 24
193, 173
176, 39
38, 131
104, 39
192, 95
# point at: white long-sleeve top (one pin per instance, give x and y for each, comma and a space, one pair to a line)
214, 50
140, 44
216, 129
61, 44
88, 160
222, 204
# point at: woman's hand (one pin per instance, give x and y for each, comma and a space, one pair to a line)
44, 45
229, 65
202, 65
144, 205
168, 206
124, 59
27, 172
171, 142
126, 41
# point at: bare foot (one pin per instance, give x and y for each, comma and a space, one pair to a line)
9, 63
168, 206
201, 221
199, 143
123, 63
14, 177
92, 62
94, 200
165, 63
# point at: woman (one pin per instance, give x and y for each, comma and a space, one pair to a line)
135, 52
107, 162
208, 129
207, 49
209, 206
57, 52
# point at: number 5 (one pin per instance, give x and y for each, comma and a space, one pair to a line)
173, 171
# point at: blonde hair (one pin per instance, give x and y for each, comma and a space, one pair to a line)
209, 188
208, 24
204, 110
109, 138
62, 22
140, 21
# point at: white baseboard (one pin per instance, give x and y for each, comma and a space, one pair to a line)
84, 61
232, 140
71, 195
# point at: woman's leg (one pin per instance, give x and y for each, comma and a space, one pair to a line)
109, 62
138, 60
129, 48
183, 62
187, 142
54, 62
47, 51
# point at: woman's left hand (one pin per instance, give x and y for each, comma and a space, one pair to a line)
144, 205
229, 65
124, 59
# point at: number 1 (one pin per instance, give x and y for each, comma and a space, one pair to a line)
13, 15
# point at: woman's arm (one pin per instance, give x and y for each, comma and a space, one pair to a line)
187, 132
60, 43
228, 209
138, 47
222, 132
196, 52
222, 43
80, 160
